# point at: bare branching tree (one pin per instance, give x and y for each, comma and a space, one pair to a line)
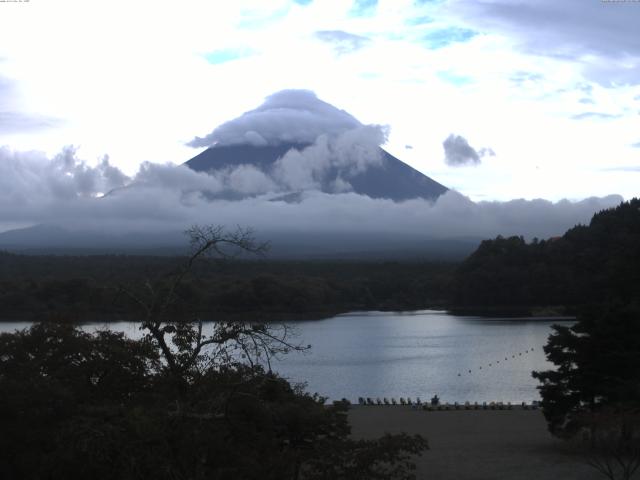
192, 400
611, 441
186, 347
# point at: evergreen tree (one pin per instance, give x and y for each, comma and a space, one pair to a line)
597, 366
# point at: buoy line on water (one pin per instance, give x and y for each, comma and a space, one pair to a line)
506, 359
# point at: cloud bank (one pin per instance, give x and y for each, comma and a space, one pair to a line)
290, 195
571, 29
66, 191
332, 146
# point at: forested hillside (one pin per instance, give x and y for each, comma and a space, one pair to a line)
588, 264
83, 288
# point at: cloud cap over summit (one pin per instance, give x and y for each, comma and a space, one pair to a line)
295, 142
287, 116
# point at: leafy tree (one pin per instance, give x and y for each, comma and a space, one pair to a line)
55, 381
179, 403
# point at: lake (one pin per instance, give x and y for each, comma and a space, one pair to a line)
414, 354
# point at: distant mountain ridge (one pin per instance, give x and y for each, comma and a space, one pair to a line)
393, 179
44, 238
50, 239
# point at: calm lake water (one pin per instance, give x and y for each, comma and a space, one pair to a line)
415, 354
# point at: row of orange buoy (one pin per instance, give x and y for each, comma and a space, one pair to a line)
519, 354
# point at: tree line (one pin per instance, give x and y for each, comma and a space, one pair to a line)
592, 395
591, 263
81, 288
185, 403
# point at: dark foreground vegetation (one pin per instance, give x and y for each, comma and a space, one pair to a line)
185, 403
181, 403
593, 395
78, 406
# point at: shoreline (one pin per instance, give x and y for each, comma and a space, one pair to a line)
447, 406
477, 444
288, 316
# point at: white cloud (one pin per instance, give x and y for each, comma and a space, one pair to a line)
342, 42
248, 180
348, 153
176, 178
30, 178
599, 35
120, 85
64, 190
458, 152
288, 116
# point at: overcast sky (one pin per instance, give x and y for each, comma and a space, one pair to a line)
498, 99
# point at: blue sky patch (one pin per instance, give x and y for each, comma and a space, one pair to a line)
223, 56
452, 78
253, 21
423, 20
446, 36
363, 8
303, 2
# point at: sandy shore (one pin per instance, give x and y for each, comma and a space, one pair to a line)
478, 445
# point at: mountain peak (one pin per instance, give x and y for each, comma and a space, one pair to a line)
388, 178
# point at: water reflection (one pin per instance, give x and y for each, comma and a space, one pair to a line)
376, 354
420, 354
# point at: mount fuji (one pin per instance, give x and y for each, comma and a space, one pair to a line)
390, 178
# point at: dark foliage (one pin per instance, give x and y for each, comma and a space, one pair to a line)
597, 366
182, 403
58, 386
588, 264
74, 405
81, 288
